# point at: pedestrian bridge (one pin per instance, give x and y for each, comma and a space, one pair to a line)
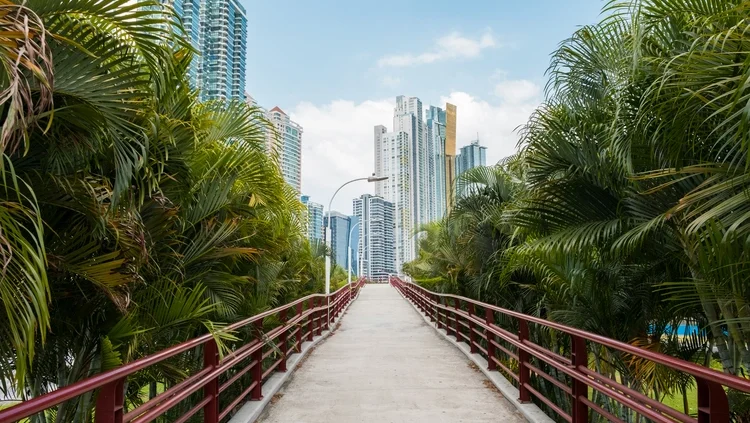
387, 353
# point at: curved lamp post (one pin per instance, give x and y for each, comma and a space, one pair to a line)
372, 178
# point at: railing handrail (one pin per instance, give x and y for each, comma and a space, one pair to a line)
470, 326
731, 381
60, 395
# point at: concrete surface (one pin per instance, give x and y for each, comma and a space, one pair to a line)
251, 410
385, 364
530, 411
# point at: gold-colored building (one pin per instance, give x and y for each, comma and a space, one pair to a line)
450, 156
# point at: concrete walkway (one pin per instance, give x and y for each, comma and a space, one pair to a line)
384, 364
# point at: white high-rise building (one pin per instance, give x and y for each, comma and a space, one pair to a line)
413, 158
394, 152
435, 141
377, 246
286, 144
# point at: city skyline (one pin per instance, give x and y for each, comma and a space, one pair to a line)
488, 60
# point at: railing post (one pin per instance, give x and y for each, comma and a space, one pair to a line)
489, 320
431, 309
284, 341
110, 401
256, 394
211, 390
311, 319
438, 303
301, 326
713, 406
319, 328
472, 335
524, 374
579, 357
455, 319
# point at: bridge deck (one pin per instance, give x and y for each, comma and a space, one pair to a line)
384, 364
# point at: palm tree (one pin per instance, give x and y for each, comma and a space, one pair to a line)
134, 217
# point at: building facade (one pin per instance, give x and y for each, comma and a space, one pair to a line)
314, 224
340, 225
414, 156
286, 146
471, 156
376, 230
436, 120
450, 155
217, 29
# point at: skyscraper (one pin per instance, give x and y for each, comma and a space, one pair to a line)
414, 157
340, 227
286, 144
217, 29
395, 163
435, 136
471, 156
377, 248
314, 226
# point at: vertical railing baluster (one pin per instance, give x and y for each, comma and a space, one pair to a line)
713, 406
301, 326
431, 307
472, 336
455, 319
311, 318
211, 390
321, 316
489, 320
256, 394
524, 374
109, 402
284, 341
579, 357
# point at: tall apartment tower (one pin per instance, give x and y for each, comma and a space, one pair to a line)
377, 246
218, 31
471, 156
286, 145
450, 156
435, 136
418, 158
340, 225
314, 224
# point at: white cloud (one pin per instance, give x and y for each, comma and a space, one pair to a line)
517, 91
390, 81
337, 144
495, 123
451, 46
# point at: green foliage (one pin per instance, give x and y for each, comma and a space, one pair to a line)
134, 217
626, 211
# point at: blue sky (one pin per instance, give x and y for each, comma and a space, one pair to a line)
336, 67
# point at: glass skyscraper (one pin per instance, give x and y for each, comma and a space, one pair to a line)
314, 219
217, 29
471, 156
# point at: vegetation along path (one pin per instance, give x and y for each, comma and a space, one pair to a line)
385, 364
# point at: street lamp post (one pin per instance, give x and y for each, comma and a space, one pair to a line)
372, 178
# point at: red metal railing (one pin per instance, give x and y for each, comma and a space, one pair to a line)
473, 322
299, 321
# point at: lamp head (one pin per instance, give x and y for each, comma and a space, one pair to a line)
374, 178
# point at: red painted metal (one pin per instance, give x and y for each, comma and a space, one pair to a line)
109, 403
211, 390
109, 386
712, 399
